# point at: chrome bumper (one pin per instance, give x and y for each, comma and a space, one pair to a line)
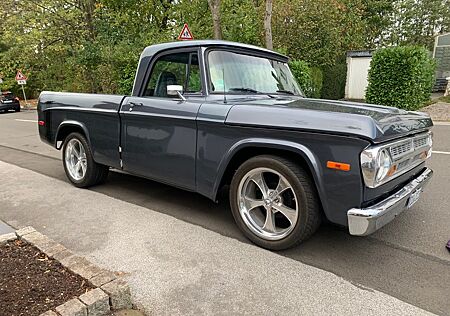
362, 222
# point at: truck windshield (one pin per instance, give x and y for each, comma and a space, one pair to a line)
238, 73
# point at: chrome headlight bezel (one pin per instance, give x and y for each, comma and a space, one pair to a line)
375, 165
382, 163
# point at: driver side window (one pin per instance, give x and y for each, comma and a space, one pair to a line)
174, 69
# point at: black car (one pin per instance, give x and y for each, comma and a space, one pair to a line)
9, 101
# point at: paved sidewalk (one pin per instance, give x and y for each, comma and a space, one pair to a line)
176, 268
439, 111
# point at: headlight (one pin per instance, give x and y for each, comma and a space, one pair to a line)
375, 165
430, 142
384, 164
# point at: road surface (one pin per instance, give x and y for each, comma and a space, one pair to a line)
406, 259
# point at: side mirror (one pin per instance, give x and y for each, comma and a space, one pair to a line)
174, 90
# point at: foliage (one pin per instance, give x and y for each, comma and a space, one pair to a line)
415, 22
94, 45
317, 82
334, 78
401, 76
309, 78
315, 37
302, 73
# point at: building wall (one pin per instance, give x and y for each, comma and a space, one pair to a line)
357, 77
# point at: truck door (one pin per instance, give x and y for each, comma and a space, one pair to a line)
159, 132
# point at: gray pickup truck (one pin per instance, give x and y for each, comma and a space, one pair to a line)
208, 114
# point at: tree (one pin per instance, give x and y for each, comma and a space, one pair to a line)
94, 45
268, 24
214, 6
417, 22
317, 31
376, 15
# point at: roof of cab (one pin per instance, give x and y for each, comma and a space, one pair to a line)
153, 49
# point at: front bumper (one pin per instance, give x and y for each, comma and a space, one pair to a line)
362, 222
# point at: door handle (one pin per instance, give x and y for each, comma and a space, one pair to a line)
133, 104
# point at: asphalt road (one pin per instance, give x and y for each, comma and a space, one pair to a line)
406, 259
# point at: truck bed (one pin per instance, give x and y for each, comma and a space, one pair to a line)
99, 114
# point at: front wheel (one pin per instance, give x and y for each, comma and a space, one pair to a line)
274, 202
79, 165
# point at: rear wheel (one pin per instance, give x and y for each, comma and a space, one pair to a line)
274, 202
79, 165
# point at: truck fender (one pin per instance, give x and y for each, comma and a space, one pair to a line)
73, 124
296, 148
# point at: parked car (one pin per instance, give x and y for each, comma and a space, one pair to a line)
206, 114
9, 101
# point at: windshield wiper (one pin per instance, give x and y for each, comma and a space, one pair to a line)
243, 90
286, 92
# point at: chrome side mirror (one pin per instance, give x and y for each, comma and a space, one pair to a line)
174, 90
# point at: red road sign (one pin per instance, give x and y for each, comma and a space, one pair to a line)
20, 76
185, 34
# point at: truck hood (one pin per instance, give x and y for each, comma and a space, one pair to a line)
374, 122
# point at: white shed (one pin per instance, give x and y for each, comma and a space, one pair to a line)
358, 64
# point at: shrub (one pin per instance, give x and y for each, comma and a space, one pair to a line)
317, 81
334, 81
309, 78
401, 76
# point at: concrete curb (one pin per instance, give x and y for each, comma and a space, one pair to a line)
110, 292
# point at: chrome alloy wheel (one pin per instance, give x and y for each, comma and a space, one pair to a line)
267, 203
75, 159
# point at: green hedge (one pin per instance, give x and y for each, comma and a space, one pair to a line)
309, 78
401, 76
334, 78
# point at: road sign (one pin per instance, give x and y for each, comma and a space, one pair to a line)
22, 80
185, 34
20, 76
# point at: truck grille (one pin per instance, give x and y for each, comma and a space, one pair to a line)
420, 142
408, 153
399, 150
409, 146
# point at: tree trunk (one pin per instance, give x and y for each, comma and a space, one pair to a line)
268, 24
214, 6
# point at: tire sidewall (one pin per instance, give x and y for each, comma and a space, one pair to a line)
271, 162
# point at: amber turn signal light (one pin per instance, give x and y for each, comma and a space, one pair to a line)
338, 165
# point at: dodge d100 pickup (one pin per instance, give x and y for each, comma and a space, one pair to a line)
207, 114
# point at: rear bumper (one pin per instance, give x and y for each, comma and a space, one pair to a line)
9, 106
362, 222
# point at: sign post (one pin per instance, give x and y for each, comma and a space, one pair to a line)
22, 80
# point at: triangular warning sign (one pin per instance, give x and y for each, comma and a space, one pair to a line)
20, 76
185, 34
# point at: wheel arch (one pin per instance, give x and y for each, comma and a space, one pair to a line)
68, 127
246, 149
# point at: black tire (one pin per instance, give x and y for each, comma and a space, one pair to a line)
95, 173
17, 109
309, 209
